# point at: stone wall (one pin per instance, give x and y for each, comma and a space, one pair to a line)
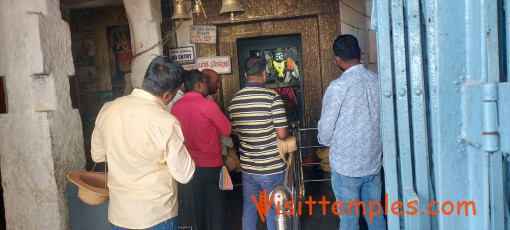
40, 136
100, 37
355, 16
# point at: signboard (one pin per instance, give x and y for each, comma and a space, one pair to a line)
203, 34
220, 64
183, 55
189, 67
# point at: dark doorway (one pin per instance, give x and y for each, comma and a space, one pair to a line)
284, 70
3, 97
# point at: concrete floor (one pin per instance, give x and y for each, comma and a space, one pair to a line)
313, 222
95, 217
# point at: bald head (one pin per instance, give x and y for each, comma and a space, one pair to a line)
213, 80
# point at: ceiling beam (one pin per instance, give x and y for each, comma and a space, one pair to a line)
84, 4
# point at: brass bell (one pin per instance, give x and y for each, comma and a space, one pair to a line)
180, 12
197, 8
231, 6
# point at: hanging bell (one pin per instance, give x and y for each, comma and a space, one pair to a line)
197, 8
180, 12
231, 6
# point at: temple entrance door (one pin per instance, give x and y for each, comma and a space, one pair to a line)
284, 68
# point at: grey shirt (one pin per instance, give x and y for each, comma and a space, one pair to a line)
350, 123
178, 96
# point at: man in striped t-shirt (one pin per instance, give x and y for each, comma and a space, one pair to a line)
258, 117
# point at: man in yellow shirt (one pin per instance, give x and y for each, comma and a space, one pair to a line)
143, 146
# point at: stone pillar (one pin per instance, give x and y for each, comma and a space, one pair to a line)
144, 18
40, 135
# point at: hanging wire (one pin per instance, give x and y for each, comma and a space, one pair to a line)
199, 2
363, 14
351, 25
165, 39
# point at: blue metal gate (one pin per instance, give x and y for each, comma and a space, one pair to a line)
445, 111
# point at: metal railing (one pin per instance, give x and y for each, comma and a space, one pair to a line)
294, 177
302, 146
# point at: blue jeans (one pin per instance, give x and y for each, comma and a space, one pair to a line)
349, 189
252, 184
170, 224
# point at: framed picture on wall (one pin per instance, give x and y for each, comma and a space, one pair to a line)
119, 41
120, 56
83, 51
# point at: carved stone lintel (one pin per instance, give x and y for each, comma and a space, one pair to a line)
267, 27
286, 7
316, 21
267, 10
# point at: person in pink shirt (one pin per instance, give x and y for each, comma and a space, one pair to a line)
202, 123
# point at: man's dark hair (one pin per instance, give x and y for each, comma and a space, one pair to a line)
346, 47
191, 78
163, 75
255, 66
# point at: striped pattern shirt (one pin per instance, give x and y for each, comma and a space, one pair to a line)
255, 112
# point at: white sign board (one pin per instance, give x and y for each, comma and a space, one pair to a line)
183, 55
189, 67
203, 34
220, 64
